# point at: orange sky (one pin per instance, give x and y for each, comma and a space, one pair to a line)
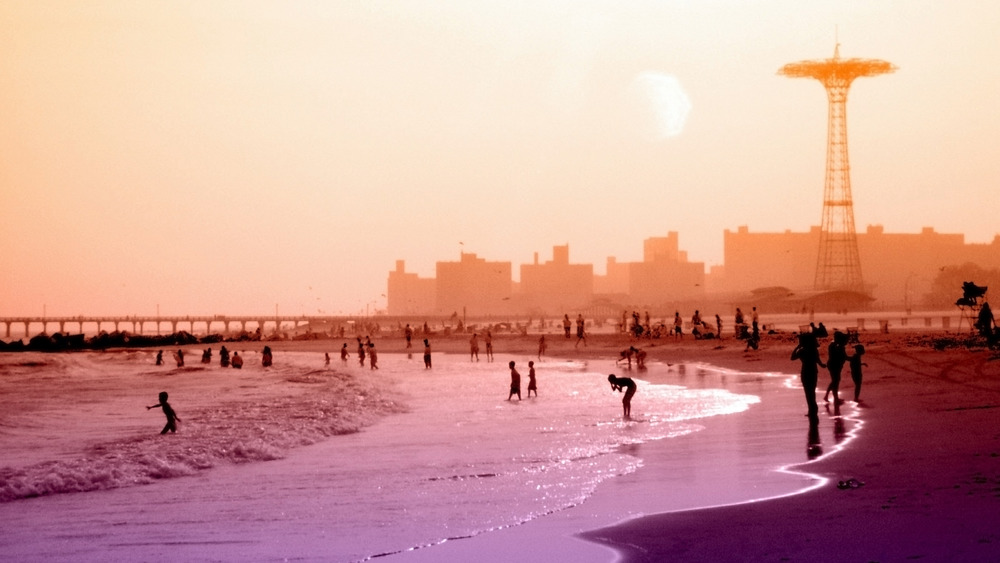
228, 157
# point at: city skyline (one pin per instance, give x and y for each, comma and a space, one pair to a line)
202, 159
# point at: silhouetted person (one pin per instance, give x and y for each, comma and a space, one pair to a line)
640, 358
489, 346
856, 362
172, 418
344, 354
532, 384
361, 352
985, 321
237, 360
327, 358
678, 325
580, 333
224, 357
179, 357
408, 332
835, 360
541, 346
566, 325
718, 326
807, 352
474, 347
427, 354
626, 355
206, 356
821, 331
372, 356
266, 359
626, 384
515, 383
159, 358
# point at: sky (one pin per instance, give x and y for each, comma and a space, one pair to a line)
243, 157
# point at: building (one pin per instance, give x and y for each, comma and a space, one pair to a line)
663, 277
898, 269
473, 287
555, 287
409, 294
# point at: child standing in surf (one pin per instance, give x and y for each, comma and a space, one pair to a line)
172, 418
626, 384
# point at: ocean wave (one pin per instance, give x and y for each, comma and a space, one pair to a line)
232, 432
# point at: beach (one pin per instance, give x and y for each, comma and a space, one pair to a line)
923, 449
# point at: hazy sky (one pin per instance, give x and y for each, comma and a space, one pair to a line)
228, 157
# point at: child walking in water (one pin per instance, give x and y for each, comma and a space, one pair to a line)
515, 383
532, 386
172, 418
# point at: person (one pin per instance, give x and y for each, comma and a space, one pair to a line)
532, 385
985, 321
172, 418
754, 318
807, 352
515, 382
856, 363
344, 354
474, 347
206, 356
427, 354
739, 317
626, 355
267, 358
179, 358
678, 325
489, 346
626, 384
372, 356
835, 360
223, 357
159, 358
408, 332
640, 358
566, 325
327, 357
541, 346
718, 326
580, 333
237, 360
361, 352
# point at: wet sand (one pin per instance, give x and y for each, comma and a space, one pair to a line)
928, 456
927, 451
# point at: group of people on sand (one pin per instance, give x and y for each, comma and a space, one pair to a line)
807, 351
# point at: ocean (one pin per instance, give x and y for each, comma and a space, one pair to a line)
308, 462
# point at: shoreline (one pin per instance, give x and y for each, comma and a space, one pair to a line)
678, 474
929, 458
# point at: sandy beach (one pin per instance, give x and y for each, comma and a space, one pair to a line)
928, 458
923, 447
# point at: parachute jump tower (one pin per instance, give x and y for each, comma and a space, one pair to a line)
837, 266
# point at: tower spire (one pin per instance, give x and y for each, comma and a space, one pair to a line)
838, 266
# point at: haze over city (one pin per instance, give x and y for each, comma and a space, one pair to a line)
200, 158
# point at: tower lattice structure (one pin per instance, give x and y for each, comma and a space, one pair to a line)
838, 266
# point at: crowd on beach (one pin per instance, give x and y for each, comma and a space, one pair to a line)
844, 350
